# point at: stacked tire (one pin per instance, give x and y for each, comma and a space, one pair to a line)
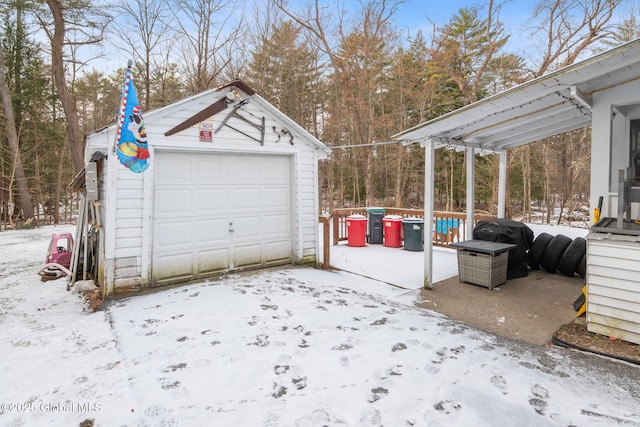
558, 254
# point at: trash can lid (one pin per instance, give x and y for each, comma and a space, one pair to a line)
392, 218
357, 217
375, 210
413, 221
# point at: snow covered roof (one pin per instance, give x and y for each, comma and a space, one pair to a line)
549, 105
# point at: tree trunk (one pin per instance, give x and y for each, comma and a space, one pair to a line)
74, 134
14, 149
399, 176
368, 178
59, 189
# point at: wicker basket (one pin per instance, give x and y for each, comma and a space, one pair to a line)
482, 269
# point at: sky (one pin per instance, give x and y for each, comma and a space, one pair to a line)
291, 346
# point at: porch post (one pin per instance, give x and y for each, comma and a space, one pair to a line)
471, 196
502, 183
429, 167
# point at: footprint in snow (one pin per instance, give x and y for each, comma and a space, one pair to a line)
345, 346
398, 347
377, 394
538, 398
447, 406
281, 369
299, 381
394, 371
499, 381
278, 391
446, 353
173, 368
168, 384
261, 341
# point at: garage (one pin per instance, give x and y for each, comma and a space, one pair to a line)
230, 183
217, 212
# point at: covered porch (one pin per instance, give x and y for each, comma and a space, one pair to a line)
602, 92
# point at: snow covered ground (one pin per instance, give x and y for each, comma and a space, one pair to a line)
285, 347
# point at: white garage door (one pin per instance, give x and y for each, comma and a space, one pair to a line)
218, 212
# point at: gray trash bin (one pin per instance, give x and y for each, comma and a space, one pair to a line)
374, 235
413, 230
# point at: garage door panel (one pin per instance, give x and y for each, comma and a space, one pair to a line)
171, 202
245, 169
213, 261
173, 169
245, 199
173, 266
276, 198
278, 251
248, 227
211, 201
247, 255
212, 232
276, 225
172, 236
211, 169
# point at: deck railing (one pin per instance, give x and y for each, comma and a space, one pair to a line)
449, 227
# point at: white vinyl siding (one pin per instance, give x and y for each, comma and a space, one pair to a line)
613, 292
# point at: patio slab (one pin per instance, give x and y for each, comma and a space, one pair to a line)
529, 309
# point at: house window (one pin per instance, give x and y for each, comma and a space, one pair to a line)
634, 148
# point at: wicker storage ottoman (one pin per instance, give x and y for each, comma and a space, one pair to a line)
483, 269
483, 263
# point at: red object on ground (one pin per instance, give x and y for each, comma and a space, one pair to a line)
356, 230
392, 227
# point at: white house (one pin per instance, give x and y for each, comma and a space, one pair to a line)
602, 92
232, 184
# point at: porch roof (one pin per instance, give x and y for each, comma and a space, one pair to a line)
548, 105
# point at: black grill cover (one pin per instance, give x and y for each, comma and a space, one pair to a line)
508, 231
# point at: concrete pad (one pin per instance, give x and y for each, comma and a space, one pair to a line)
529, 308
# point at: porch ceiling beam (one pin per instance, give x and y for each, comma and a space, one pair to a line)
582, 98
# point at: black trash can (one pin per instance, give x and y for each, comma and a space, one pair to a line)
413, 230
508, 231
375, 234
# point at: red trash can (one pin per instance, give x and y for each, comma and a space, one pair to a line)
392, 226
356, 230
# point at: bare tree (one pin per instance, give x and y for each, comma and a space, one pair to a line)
359, 57
87, 24
568, 28
145, 29
207, 29
14, 149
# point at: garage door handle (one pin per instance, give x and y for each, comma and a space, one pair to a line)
231, 227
